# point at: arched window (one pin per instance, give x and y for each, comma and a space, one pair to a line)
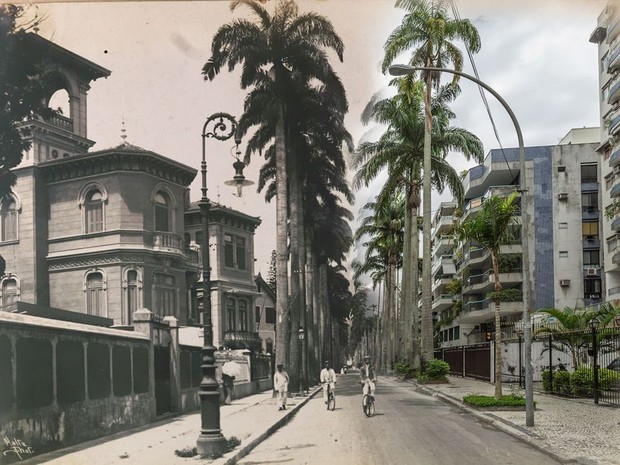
93, 206
95, 288
10, 291
131, 293
8, 220
60, 101
162, 212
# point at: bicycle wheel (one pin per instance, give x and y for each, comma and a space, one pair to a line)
366, 405
331, 402
371, 407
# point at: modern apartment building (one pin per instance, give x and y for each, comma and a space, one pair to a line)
563, 202
607, 36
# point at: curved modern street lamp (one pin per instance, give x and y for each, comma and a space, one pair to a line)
401, 70
219, 126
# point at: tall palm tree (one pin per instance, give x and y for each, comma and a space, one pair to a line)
400, 151
383, 234
271, 49
490, 228
429, 29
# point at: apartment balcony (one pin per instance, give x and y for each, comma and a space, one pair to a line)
614, 59
476, 256
446, 262
441, 283
615, 225
194, 257
614, 124
614, 91
485, 282
483, 310
615, 190
443, 244
443, 225
614, 159
443, 302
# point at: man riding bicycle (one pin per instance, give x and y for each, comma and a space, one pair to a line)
368, 378
328, 378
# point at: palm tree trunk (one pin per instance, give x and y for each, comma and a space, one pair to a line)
311, 319
282, 327
498, 330
295, 359
407, 290
427, 315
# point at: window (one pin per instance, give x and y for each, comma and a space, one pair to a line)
199, 238
162, 212
563, 226
589, 229
563, 253
589, 201
8, 220
234, 252
589, 173
243, 314
591, 257
269, 346
591, 286
131, 294
230, 315
257, 314
95, 294
270, 315
9, 291
165, 295
93, 206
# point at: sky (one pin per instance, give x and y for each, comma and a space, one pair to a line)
535, 54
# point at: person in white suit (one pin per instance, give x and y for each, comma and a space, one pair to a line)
328, 378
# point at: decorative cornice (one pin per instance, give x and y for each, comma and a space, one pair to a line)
223, 215
110, 161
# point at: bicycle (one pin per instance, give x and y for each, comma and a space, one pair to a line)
368, 404
331, 400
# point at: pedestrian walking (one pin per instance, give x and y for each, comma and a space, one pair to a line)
280, 384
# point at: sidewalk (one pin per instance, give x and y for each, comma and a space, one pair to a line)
571, 430
250, 419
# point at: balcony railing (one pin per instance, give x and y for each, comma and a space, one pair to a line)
169, 242
61, 122
614, 59
614, 92
241, 340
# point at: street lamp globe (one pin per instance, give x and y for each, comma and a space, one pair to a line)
301, 333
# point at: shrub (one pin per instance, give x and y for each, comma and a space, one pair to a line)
561, 382
478, 400
582, 382
404, 370
545, 380
436, 370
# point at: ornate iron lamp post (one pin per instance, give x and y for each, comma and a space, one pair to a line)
302, 382
519, 329
593, 326
211, 441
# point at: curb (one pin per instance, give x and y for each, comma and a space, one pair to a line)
254, 440
499, 423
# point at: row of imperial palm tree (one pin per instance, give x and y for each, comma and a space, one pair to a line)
294, 111
399, 152
428, 33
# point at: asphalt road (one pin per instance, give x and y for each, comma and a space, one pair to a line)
408, 428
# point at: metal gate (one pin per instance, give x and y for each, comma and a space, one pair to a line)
468, 361
162, 379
